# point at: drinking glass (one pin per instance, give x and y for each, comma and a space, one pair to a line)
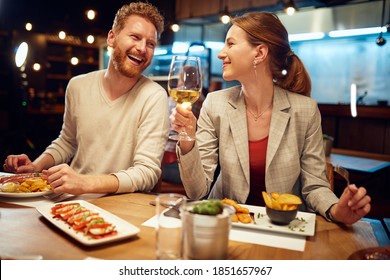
184, 85
169, 233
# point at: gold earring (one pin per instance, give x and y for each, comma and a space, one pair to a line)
254, 64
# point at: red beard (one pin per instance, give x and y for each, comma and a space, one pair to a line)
122, 65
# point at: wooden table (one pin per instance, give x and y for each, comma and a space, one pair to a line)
24, 231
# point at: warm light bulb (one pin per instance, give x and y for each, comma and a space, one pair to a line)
91, 14
36, 67
74, 60
290, 11
62, 35
90, 39
175, 27
28, 26
225, 19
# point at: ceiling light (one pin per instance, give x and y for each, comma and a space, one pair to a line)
74, 60
179, 47
290, 8
160, 51
62, 35
175, 27
306, 36
36, 67
357, 32
28, 26
225, 16
21, 54
91, 14
225, 19
380, 41
90, 39
353, 101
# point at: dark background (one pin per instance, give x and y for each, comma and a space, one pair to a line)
21, 132
51, 17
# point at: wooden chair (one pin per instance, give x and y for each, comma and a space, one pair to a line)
330, 174
167, 187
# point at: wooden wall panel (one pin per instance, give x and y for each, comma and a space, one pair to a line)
329, 126
186, 9
361, 134
387, 139
368, 132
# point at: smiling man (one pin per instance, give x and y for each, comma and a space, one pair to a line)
115, 121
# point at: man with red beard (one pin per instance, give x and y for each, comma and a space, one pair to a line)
115, 121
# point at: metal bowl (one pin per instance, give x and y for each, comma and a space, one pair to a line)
281, 217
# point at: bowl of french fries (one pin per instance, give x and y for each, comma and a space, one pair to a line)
281, 209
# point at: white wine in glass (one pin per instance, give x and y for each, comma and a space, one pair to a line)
184, 85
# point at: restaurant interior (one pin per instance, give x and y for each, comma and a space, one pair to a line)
345, 46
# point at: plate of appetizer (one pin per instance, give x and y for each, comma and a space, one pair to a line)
255, 217
303, 224
24, 185
87, 223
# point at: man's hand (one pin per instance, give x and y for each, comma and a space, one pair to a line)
18, 164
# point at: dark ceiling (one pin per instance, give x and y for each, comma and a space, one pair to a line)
50, 17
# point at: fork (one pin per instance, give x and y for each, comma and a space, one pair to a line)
343, 172
56, 197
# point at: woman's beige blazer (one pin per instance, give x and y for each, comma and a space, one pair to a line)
295, 156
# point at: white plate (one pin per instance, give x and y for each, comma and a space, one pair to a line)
303, 225
24, 195
124, 228
21, 194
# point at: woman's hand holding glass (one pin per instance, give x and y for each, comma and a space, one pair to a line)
183, 120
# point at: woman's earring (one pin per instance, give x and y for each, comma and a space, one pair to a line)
254, 64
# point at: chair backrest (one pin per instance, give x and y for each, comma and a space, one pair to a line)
330, 174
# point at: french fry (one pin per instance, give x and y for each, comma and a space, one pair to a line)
23, 189
242, 213
239, 208
244, 218
31, 181
32, 185
285, 201
292, 207
274, 195
267, 199
276, 205
243, 210
287, 198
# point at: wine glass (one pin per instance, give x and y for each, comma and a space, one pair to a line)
184, 85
